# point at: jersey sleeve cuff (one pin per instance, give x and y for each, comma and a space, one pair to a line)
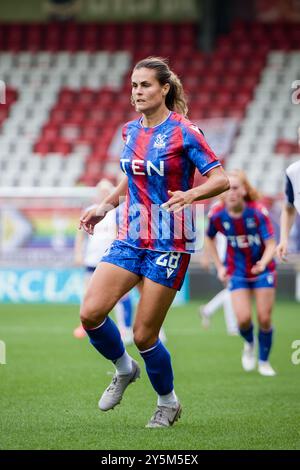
209, 167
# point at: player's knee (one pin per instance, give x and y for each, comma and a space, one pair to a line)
264, 322
88, 323
91, 315
244, 324
143, 339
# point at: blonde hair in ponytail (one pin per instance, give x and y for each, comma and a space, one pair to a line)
175, 98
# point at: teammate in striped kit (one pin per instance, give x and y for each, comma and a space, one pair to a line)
249, 266
161, 151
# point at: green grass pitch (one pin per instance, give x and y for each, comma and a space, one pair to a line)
51, 383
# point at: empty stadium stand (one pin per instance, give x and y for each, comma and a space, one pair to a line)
68, 92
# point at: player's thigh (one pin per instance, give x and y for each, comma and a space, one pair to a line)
107, 285
264, 298
241, 303
155, 301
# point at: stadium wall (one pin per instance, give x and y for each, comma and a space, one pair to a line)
102, 10
203, 284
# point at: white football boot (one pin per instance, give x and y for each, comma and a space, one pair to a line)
249, 357
114, 392
265, 368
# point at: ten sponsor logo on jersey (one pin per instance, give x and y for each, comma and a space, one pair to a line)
244, 241
140, 167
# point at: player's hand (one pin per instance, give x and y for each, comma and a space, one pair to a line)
281, 251
258, 268
178, 201
222, 274
90, 218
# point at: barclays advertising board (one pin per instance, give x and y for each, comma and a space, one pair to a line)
52, 286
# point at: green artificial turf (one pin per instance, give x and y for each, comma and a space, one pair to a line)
51, 383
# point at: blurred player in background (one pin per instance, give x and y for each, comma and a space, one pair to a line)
291, 205
249, 266
88, 253
162, 149
223, 298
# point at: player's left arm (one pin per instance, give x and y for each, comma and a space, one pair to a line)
216, 183
267, 234
197, 150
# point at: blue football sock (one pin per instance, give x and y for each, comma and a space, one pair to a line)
248, 334
107, 340
159, 368
264, 343
127, 306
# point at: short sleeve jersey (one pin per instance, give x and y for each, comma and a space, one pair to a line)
156, 160
245, 235
292, 185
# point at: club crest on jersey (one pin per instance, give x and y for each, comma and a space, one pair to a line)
250, 222
226, 225
160, 141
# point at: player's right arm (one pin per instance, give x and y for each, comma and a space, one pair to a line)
210, 244
287, 219
93, 216
213, 228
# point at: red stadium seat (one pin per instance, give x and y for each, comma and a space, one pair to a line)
34, 35
235, 111
223, 99
242, 99
62, 146
50, 133
90, 132
67, 97
286, 147
219, 84
42, 148
58, 116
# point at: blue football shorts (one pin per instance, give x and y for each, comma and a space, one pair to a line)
166, 268
90, 269
264, 280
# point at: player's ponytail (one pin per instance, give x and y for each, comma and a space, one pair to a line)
175, 98
251, 193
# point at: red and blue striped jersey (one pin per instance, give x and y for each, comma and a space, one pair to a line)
156, 160
245, 236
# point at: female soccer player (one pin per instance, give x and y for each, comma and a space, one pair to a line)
162, 149
249, 266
